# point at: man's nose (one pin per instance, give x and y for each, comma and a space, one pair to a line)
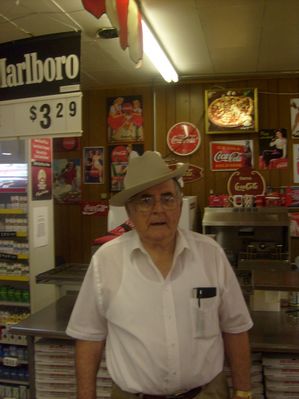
157, 205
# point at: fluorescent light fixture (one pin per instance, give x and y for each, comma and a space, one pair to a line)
157, 56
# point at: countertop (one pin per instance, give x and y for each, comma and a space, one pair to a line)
272, 331
50, 321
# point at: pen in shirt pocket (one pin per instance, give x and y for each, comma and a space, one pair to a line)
203, 292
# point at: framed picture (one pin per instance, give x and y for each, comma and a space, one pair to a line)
273, 146
231, 111
231, 154
120, 156
296, 163
294, 112
93, 165
67, 180
125, 119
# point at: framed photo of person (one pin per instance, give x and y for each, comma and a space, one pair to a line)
273, 148
93, 165
231, 110
294, 111
119, 156
125, 119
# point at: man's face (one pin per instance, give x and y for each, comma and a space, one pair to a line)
156, 211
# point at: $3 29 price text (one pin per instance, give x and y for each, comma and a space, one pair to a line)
46, 114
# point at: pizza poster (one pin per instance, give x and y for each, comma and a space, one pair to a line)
41, 169
231, 155
125, 119
231, 110
120, 156
273, 145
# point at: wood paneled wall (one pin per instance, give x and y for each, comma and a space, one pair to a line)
164, 106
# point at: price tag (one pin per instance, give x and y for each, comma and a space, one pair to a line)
37, 116
10, 361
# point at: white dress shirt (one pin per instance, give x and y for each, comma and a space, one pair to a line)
160, 338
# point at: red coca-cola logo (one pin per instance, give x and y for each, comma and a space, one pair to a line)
193, 173
246, 181
94, 208
119, 154
221, 156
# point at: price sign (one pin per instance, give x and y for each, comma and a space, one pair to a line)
48, 115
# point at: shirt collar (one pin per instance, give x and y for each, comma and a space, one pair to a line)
135, 244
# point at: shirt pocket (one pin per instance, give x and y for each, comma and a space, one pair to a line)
205, 321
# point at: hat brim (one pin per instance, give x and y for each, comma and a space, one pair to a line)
122, 197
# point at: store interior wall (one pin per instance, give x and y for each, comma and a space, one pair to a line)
75, 232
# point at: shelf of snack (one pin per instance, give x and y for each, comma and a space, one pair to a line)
14, 373
21, 258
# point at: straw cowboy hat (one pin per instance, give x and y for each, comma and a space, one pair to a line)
143, 172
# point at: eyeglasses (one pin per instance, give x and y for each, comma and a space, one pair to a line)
146, 202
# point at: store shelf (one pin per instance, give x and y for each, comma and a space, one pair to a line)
13, 303
13, 211
69, 273
19, 382
12, 342
10, 190
6, 256
19, 362
13, 234
14, 278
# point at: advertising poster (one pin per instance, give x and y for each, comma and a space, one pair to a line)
125, 119
231, 154
41, 169
65, 144
231, 110
294, 224
93, 165
120, 156
294, 111
67, 180
273, 145
296, 163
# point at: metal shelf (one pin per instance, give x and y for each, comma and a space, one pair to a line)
68, 273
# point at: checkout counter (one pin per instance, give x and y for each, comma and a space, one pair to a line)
257, 244
272, 331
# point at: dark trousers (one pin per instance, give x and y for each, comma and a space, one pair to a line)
216, 389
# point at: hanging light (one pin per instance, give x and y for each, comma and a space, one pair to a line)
157, 56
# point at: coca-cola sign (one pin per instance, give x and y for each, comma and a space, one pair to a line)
246, 181
231, 155
99, 208
193, 173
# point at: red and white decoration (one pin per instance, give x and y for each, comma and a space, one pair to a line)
126, 17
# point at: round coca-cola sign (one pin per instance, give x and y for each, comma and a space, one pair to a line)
246, 181
183, 138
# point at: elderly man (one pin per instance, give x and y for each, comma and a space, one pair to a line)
164, 301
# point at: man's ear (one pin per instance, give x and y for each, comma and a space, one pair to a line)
127, 209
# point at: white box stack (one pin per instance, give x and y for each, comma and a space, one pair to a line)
257, 385
281, 376
55, 376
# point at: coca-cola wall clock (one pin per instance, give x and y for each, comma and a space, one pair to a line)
183, 138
